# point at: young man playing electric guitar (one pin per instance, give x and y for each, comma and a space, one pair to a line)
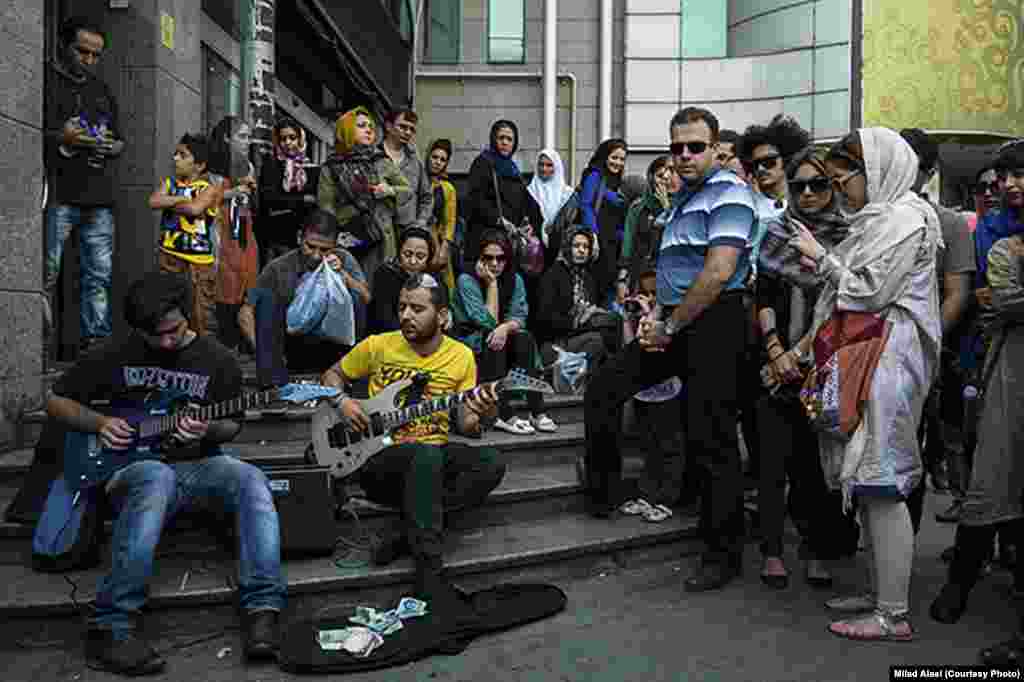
162, 352
422, 473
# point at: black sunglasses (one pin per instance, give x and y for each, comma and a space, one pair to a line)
817, 185
676, 148
766, 162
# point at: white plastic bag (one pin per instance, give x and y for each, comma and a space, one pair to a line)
339, 322
310, 303
569, 371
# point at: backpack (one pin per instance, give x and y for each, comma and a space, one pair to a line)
68, 532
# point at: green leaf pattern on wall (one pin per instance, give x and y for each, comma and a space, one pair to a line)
944, 64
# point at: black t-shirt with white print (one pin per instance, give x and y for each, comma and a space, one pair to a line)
203, 372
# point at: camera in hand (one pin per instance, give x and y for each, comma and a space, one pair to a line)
633, 307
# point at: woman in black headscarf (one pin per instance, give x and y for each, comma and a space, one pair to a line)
498, 197
603, 210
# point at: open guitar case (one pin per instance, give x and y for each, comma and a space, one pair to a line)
497, 608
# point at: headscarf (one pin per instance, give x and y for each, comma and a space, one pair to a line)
894, 212
582, 306
407, 234
221, 152
504, 164
445, 146
599, 162
550, 193
294, 162
507, 279
345, 135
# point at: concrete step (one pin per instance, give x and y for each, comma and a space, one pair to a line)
199, 581
291, 422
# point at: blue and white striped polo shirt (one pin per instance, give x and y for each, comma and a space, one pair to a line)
722, 212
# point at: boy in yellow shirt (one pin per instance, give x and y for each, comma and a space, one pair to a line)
188, 229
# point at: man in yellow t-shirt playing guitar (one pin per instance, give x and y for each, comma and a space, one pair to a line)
422, 473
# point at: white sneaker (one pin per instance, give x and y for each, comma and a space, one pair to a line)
516, 425
543, 423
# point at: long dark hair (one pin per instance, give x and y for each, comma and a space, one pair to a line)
507, 279
599, 161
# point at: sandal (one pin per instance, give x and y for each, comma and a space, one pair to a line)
635, 507
543, 423
516, 425
880, 626
778, 581
657, 513
857, 603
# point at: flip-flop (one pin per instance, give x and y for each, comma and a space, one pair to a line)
635, 507
657, 514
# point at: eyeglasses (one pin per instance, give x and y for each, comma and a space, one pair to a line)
695, 148
817, 185
415, 255
493, 259
766, 162
987, 188
840, 182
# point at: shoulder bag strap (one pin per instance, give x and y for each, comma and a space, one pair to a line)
497, 194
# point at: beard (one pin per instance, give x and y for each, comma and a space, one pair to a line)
423, 332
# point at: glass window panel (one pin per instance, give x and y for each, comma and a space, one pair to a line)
832, 68
506, 31
782, 30
832, 21
704, 28
444, 31
741, 10
832, 114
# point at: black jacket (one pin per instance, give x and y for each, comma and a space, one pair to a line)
383, 313
282, 212
482, 202
554, 313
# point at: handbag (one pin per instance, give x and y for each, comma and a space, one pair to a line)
846, 350
529, 252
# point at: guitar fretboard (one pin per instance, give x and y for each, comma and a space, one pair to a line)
157, 426
426, 408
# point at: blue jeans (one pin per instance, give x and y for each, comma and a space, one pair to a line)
95, 258
146, 495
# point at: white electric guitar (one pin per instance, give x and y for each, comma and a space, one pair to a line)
345, 450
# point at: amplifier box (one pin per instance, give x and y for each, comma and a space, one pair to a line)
305, 508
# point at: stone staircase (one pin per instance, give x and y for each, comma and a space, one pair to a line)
533, 525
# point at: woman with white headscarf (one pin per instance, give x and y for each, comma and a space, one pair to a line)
885, 267
548, 189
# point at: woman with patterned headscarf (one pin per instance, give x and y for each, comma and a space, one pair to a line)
288, 183
362, 187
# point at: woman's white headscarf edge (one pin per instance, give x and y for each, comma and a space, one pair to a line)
552, 193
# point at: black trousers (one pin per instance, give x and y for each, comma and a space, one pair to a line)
311, 354
429, 483
974, 548
707, 356
520, 351
789, 449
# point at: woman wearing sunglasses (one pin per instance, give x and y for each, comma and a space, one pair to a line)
885, 268
786, 294
489, 312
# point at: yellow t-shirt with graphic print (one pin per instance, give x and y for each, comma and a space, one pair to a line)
387, 358
190, 239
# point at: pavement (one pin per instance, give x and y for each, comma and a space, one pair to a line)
633, 622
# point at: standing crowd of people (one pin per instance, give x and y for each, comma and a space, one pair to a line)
815, 297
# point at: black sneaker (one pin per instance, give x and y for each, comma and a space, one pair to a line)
261, 635
127, 654
391, 547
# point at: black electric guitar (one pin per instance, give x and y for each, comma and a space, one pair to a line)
88, 463
345, 450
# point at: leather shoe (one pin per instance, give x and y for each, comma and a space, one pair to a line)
261, 636
712, 576
126, 655
1008, 654
949, 605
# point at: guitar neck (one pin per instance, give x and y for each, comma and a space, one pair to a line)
404, 415
159, 426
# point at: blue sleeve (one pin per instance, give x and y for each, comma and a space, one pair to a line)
518, 309
588, 197
614, 198
351, 266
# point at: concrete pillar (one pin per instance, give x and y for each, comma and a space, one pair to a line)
258, 73
21, 187
154, 65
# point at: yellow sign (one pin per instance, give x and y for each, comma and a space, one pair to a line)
167, 30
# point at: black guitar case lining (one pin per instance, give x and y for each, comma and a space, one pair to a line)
498, 608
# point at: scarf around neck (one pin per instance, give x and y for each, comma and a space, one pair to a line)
294, 163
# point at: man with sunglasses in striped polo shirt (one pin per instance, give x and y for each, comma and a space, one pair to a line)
703, 263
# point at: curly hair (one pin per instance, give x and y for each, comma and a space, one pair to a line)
783, 133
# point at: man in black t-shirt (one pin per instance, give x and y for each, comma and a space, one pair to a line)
83, 136
161, 352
